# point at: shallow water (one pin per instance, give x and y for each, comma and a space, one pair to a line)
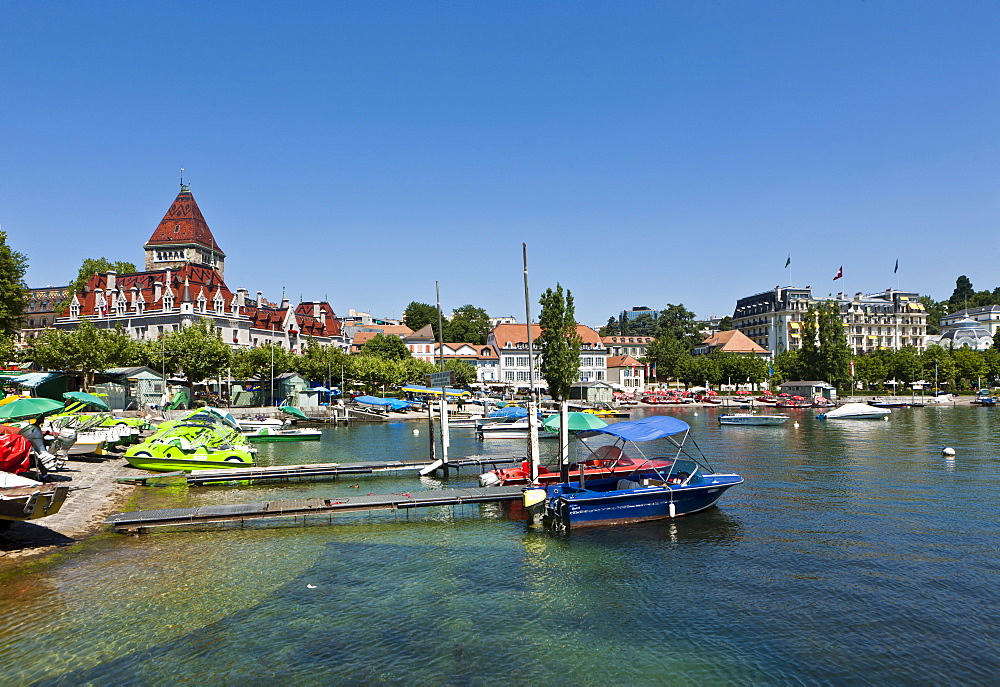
853, 553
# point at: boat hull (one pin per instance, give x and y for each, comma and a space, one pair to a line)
31, 503
568, 507
753, 419
169, 464
294, 435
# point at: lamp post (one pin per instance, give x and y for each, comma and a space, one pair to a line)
272, 372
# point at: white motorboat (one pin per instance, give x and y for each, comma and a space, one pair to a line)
511, 430
752, 419
25, 499
471, 421
253, 424
855, 411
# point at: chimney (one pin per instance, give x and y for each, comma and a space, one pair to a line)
157, 290
260, 298
112, 280
241, 297
284, 303
316, 310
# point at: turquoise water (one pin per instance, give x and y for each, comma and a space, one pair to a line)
854, 553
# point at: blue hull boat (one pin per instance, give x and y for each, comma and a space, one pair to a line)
684, 486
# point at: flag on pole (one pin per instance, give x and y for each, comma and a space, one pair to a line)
789, 260
896, 268
840, 273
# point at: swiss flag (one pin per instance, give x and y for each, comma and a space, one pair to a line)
840, 273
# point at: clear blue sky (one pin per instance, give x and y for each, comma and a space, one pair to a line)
647, 152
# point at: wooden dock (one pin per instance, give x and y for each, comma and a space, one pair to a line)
333, 471
137, 522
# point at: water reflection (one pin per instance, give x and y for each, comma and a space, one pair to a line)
841, 559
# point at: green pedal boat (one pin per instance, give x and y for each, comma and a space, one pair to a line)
200, 440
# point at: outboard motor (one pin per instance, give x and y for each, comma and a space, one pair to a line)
44, 460
489, 479
63, 442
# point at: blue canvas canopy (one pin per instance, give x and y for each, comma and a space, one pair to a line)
397, 404
373, 401
646, 429
510, 411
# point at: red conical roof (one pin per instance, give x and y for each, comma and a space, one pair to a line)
184, 223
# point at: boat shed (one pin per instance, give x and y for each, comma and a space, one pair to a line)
592, 392
809, 389
130, 388
43, 384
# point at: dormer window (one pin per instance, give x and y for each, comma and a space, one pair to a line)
74, 311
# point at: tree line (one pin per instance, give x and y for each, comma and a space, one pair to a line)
198, 353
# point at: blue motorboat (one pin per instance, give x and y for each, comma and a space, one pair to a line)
663, 487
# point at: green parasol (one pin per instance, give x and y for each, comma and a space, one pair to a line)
89, 399
25, 408
576, 422
294, 412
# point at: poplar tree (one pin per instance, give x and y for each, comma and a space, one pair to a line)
559, 343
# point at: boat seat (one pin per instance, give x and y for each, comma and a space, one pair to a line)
609, 452
624, 484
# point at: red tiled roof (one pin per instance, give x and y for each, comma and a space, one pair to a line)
623, 361
733, 341
183, 223
517, 333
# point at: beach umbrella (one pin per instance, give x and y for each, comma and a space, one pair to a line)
784, 394
89, 399
294, 412
798, 398
575, 422
25, 408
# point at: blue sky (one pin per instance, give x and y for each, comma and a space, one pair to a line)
647, 152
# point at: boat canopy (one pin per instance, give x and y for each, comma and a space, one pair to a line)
510, 411
646, 429
414, 389
373, 400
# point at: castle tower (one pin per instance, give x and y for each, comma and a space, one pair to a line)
183, 237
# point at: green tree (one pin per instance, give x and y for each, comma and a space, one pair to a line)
198, 350
86, 349
13, 290
906, 365
468, 324
935, 311
88, 269
680, 322
996, 339
8, 353
970, 367
961, 295
824, 353
258, 363
669, 357
320, 363
419, 315
939, 365
725, 324
416, 370
559, 343
611, 328
387, 347
465, 373
787, 367
375, 372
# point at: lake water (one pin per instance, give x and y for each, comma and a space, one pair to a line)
854, 553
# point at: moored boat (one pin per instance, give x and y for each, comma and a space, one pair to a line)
22, 498
752, 419
203, 439
265, 434
686, 486
855, 411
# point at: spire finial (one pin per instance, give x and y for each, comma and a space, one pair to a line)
184, 187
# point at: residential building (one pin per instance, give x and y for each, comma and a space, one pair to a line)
422, 343
484, 358
636, 312
511, 344
183, 283
732, 341
634, 346
988, 317
40, 314
887, 320
625, 373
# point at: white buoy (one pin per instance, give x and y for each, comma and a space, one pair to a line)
416, 432
696, 414
947, 451
795, 424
